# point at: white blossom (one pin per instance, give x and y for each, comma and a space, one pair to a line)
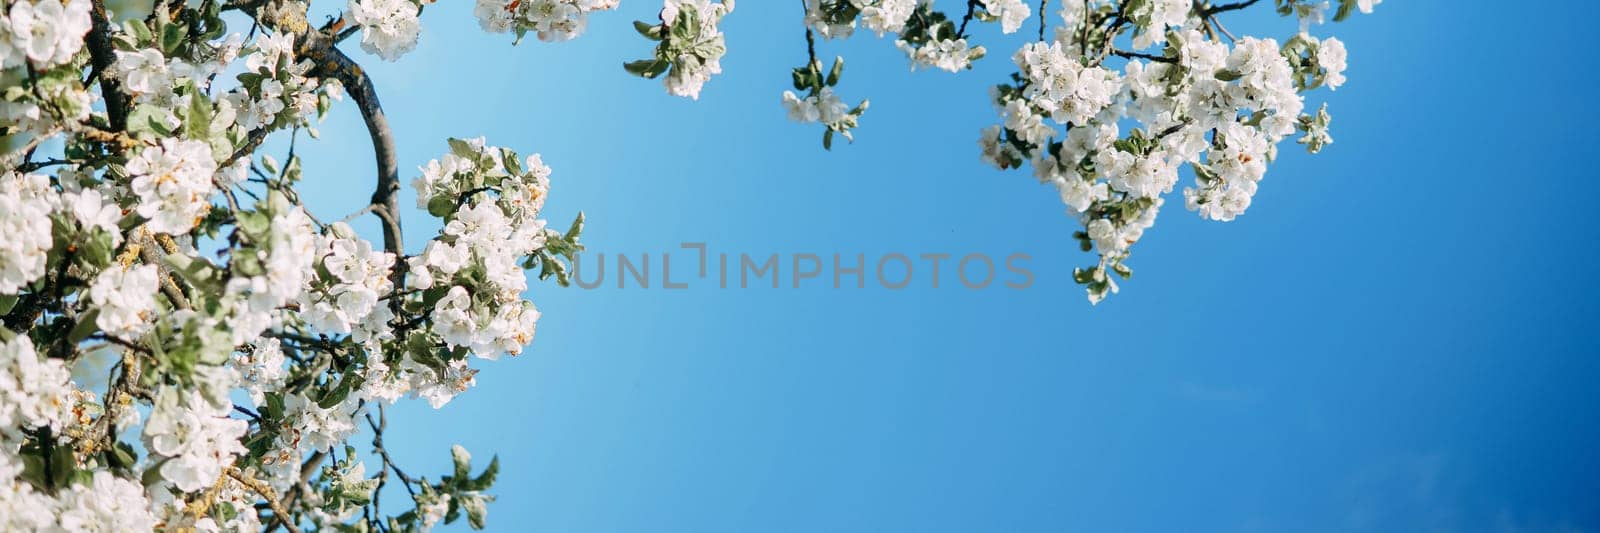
25, 203
126, 299
701, 56
885, 16
1063, 88
35, 391
549, 20
951, 55
1010, 12
106, 503
93, 212
143, 71
46, 32
1332, 57
389, 28
195, 436
173, 183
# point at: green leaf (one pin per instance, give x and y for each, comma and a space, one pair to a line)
647, 68
62, 464
838, 68
273, 407
575, 229
512, 161
139, 30
172, 36
441, 206
486, 478
1345, 8
350, 381
7, 301
198, 272
198, 124
84, 328
648, 30
802, 78
477, 512
1122, 270
421, 350
461, 149
122, 455
462, 460
147, 119
254, 223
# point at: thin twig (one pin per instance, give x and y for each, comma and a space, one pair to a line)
1042, 18
383, 453
972, 6
1141, 55
1213, 10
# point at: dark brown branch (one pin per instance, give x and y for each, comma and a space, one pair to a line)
102, 55
1213, 10
972, 6
1130, 55
1042, 18
333, 63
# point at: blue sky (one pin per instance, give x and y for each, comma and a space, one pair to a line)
1396, 337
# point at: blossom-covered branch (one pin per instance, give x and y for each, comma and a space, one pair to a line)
147, 228
1111, 139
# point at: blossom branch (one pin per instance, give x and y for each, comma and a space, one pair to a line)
280, 513
1213, 10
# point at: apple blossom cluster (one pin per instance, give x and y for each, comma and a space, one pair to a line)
242, 343
37, 397
549, 20
42, 34
389, 28
351, 278
1111, 107
689, 46
927, 36
26, 201
821, 104
490, 202
1217, 107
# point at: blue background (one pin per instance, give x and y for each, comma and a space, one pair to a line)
1396, 337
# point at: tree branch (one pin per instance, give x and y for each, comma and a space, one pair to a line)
322, 49
972, 6
333, 63
1043, 19
279, 512
1130, 55
150, 252
102, 55
383, 453
1213, 10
